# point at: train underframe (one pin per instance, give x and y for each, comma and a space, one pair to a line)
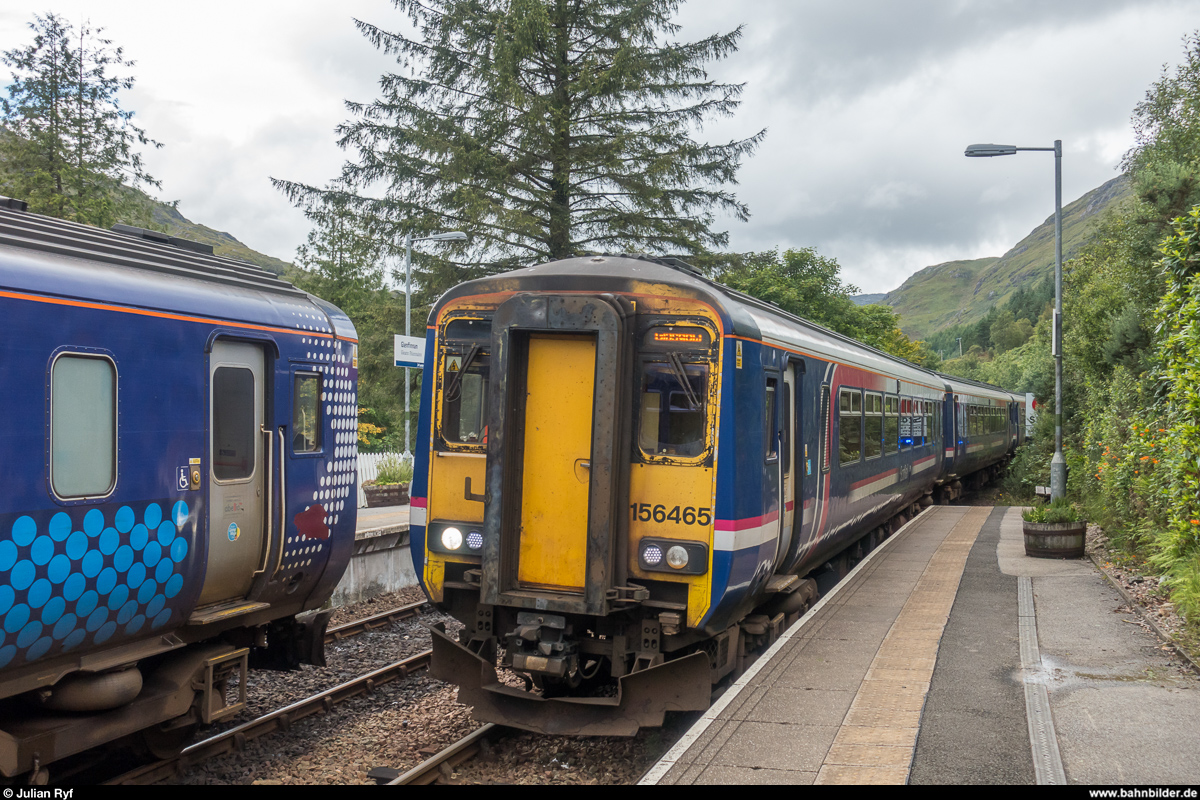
151, 697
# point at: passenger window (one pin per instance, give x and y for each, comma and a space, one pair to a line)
849, 426
233, 423
83, 426
306, 413
873, 436
674, 408
787, 428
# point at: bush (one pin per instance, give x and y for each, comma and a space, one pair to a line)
1057, 511
394, 469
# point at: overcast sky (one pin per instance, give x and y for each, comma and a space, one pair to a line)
868, 107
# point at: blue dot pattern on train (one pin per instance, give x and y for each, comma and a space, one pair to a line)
74, 579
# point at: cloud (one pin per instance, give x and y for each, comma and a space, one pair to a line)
868, 107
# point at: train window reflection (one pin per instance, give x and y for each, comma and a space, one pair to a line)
233, 415
464, 398
674, 411
83, 430
849, 426
306, 413
873, 438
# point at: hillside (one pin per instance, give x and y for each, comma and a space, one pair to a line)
959, 292
168, 220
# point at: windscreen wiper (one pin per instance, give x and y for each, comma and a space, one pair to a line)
452, 391
681, 376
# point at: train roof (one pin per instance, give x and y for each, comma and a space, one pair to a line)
132, 267
966, 385
743, 314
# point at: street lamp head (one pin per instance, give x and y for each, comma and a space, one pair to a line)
452, 236
988, 150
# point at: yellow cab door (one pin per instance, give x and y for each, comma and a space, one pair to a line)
555, 480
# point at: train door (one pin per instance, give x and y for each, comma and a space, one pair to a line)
789, 475
556, 469
236, 474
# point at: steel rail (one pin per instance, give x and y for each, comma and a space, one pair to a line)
379, 620
433, 768
235, 739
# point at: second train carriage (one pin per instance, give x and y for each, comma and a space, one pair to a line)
625, 470
177, 462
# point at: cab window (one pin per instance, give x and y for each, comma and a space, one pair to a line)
674, 384
465, 367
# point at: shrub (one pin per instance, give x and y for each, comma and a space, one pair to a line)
394, 469
1057, 511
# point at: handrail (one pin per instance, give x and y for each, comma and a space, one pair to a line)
270, 481
282, 501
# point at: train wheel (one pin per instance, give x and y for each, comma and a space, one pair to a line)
166, 742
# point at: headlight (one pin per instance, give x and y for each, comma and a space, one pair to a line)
452, 538
673, 555
475, 540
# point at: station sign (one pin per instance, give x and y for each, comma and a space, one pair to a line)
410, 351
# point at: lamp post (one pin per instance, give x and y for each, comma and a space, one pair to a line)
1058, 465
453, 236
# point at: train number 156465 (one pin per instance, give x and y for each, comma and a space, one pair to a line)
645, 512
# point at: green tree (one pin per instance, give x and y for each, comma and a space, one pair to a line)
1165, 159
809, 285
544, 129
344, 261
66, 145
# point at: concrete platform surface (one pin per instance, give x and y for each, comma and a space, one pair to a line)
949, 657
378, 521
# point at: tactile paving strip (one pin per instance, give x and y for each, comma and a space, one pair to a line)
876, 740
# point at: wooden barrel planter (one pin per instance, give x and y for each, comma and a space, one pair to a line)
388, 494
1054, 539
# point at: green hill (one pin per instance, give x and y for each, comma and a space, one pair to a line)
167, 219
960, 292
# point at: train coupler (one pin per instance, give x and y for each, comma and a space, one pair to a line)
540, 644
640, 701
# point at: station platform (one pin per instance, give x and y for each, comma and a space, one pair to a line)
947, 656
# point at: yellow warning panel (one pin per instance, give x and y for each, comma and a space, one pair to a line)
448, 474
558, 444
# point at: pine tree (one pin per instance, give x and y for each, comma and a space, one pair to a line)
66, 145
544, 129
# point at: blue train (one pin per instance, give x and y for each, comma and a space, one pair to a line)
177, 483
627, 472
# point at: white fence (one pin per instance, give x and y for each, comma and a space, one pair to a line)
368, 468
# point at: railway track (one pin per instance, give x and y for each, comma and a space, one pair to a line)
380, 620
281, 719
438, 766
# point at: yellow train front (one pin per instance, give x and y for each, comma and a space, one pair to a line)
627, 471
532, 528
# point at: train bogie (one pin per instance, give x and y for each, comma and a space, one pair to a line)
177, 457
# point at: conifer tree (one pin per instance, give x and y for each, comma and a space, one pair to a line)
544, 129
66, 145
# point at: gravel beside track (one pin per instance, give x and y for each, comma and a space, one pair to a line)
388, 728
